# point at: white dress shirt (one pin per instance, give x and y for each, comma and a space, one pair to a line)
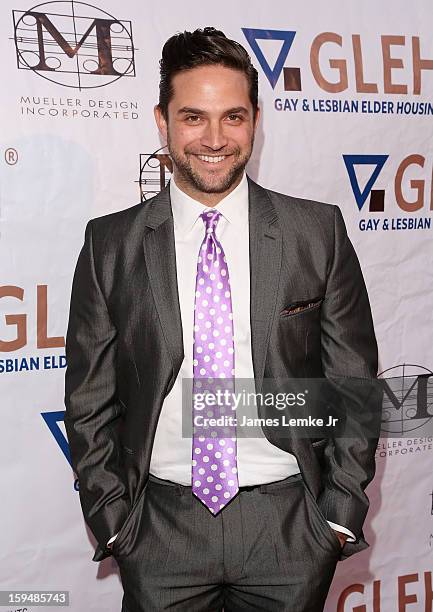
258, 460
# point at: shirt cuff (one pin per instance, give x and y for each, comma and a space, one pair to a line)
112, 539
351, 536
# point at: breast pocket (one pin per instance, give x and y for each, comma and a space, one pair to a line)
301, 307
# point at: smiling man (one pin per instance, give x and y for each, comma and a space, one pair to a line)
215, 278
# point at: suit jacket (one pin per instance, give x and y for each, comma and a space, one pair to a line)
124, 349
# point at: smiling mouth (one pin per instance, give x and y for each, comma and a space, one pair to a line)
212, 159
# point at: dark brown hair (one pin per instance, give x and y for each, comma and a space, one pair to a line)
205, 47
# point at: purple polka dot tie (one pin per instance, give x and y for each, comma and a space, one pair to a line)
214, 452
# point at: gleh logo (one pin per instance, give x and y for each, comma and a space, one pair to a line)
73, 44
52, 420
377, 196
333, 63
292, 76
411, 195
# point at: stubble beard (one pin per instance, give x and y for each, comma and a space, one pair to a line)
209, 184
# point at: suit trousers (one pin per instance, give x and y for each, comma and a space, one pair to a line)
269, 549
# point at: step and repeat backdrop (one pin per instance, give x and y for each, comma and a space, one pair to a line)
346, 97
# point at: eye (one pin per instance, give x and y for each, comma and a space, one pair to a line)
234, 117
192, 118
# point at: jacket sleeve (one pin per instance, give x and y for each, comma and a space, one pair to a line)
93, 413
349, 361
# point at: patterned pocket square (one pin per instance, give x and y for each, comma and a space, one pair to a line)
303, 306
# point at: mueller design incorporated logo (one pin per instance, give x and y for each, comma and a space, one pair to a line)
73, 44
407, 399
331, 63
407, 411
155, 171
412, 191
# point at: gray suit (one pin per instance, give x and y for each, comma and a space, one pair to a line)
124, 350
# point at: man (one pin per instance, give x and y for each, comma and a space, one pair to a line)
215, 277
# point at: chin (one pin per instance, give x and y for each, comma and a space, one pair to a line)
216, 184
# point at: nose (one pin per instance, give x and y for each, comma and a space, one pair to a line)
213, 136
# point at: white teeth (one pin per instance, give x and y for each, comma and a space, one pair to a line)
212, 160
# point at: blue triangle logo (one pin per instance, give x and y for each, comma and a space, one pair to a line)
253, 35
351, 161
52, 419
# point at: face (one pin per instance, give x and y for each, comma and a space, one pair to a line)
209, 130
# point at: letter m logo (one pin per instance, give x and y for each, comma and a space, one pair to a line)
78, 46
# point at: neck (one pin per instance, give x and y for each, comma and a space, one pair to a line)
207, 199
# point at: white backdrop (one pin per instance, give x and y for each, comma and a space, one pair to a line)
72, 144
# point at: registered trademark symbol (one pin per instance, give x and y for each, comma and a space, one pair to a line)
11, 156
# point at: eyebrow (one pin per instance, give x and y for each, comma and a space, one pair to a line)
197, 111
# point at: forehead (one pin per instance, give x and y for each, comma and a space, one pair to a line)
210, 86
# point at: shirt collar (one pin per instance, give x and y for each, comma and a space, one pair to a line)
186, 210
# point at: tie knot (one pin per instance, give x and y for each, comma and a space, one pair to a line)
210, 219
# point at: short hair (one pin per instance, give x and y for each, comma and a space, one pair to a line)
206, 47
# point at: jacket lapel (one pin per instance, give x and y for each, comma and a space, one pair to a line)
160, 256
265, 267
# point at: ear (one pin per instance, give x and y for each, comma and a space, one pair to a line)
160, 121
